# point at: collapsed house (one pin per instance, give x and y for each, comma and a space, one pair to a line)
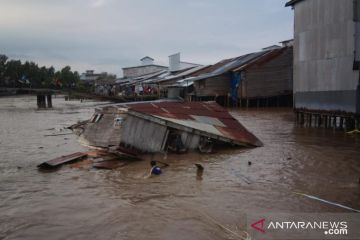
165, 125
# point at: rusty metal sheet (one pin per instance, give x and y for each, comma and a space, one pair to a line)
204, 116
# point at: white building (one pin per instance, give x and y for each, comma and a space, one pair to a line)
147, 66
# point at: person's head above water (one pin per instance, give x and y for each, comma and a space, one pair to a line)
153, 163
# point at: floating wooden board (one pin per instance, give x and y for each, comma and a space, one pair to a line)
56, 162
109, 164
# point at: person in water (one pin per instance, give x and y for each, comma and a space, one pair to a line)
199, 171
156, 169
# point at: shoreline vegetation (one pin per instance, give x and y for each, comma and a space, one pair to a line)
28, 74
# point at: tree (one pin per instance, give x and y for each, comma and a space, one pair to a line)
3, 59
13, 72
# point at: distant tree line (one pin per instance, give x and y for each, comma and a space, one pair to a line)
14, 73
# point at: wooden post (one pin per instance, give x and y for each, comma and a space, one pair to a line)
341, 123
41, 101
297, 117
38, 98
326, 121
301, 118
319, 120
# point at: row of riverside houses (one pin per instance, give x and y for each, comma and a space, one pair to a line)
262, 78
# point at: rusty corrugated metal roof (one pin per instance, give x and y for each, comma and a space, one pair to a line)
204, 116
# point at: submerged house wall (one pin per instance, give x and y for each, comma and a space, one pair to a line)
143, 134
190, 141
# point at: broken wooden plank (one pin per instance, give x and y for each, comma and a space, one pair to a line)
128, 151
60, 134
109, 164
56, 162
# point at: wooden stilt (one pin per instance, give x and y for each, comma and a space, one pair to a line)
326, 121
41, 101
341, 122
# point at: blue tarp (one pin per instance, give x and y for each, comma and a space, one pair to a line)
235, 83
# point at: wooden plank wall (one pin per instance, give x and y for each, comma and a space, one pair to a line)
215, 86
104, 132
273, 78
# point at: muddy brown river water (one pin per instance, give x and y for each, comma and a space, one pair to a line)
74, 203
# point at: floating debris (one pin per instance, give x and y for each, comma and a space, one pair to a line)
56, 162
109, 164
355, 131
60, 134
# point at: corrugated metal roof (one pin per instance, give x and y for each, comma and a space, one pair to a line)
292, 3
187, 72
263, 58
227, 65
207, 117
177, 75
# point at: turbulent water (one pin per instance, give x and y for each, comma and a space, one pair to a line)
75, 203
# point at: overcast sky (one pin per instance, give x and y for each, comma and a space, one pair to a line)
107, 35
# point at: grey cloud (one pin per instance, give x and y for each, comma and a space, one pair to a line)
106, 34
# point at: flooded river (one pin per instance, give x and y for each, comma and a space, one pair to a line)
74, 203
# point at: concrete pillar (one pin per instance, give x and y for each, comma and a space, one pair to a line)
41, 101
49, 101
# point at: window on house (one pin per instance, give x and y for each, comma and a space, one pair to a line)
96, 118
118, 121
